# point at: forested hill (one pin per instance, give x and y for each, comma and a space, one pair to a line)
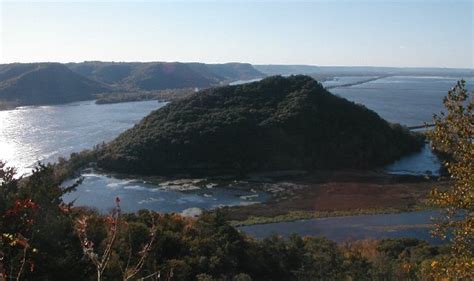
52, 83
164, 75
45, 83
275, 124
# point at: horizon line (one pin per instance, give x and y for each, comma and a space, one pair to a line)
253, 64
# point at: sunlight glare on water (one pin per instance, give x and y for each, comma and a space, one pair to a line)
44, 133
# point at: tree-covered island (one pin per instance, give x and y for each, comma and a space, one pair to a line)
278, 123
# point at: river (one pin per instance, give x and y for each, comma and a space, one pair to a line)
408, 100
44, 133
413, 224
99, 190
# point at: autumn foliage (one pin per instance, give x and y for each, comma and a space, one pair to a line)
453, 136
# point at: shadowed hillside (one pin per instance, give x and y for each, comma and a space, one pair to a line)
54, 83
45, 83
164, 75
275, 124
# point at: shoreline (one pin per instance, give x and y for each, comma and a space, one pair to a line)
298, 195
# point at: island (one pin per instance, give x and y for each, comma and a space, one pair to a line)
278, 123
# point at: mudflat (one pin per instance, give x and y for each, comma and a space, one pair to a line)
338, 193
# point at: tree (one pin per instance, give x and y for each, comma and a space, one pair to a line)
453, 136
112, 226
117, 243
33, 226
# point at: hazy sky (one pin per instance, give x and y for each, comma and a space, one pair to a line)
379, 33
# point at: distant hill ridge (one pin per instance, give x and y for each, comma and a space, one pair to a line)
45, 83
275, 124
52, 83
164, 75
280, 69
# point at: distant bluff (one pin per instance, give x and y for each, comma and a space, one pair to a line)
164, 75
45, 83
55, 83
278, 123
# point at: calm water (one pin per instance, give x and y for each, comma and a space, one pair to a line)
99, 191
44, 133
398, 99
239, 82
413, 224
344, 80
423, 163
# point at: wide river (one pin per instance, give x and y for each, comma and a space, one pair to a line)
44, 133
406, 100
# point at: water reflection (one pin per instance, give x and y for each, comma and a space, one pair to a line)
99, 191
44, 133
422, 163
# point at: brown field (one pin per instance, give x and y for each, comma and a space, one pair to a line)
344, 192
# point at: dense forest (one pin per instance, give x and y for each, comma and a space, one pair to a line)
41, 238
275, 124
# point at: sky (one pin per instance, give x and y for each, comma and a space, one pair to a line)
399, 33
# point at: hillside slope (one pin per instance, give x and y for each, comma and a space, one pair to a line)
45, 83
164, 75
275, 124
